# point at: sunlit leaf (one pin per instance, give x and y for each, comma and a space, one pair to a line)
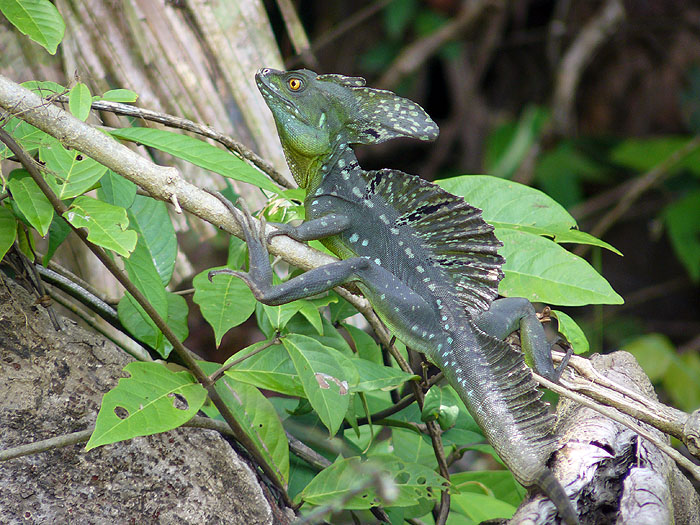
326, 375
79, 101
339, 482
38, 19
106, 224
225, 301
31, 201
199, 153
152, 400
8, 230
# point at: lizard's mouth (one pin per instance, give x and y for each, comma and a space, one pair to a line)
273, 96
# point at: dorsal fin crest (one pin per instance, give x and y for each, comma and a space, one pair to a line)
458, 239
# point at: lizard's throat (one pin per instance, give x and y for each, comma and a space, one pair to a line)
309, 171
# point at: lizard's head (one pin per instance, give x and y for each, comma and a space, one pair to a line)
317, 113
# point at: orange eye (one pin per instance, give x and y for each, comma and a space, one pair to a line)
294, 84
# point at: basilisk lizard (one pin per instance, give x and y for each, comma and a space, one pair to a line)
424, 258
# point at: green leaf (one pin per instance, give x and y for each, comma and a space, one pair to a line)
440, 408
374, 376
397, 16
331, 337
270, 369
258, 418
542, 271
413, 447
497, 483
77, 172
31, 201
178, 312
682, 220
152, 400
198, 153
150, 219
58, 232
225, 301
38, 19
119, 95
313, 315
561, 171
44, 88
367, 348
134, 318
106, 224
80, 101
505, 156
572, 332
143, 274
644, 154
480, 507
24, 134
509, 205
115, 189
8, 230
681, 381
338, 482
326, 376
653, 352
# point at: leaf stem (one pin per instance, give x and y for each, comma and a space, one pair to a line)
267, 344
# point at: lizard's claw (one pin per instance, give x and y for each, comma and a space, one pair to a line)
564, 344
259, 274
282, 229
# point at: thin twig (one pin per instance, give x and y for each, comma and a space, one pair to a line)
38, 285
296, 32
264, 346
346, 25
651, 178
398, 406
579, 54
237, 148
615, 415
129, 345
414, 56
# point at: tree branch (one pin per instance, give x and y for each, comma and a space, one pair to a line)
577, 56
415, 55
237, 148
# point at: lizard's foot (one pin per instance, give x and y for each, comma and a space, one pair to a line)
259, 274
564, 360
282, 229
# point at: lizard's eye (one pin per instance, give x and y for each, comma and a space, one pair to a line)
294, 84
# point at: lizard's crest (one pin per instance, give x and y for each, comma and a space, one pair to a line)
315, 114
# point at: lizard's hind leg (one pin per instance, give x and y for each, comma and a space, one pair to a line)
516, 313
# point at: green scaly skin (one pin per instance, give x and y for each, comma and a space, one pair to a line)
425, 260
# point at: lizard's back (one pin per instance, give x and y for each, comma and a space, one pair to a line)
442, 251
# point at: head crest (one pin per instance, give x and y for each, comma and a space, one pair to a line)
379, 115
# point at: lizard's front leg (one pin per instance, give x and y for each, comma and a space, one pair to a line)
259, 275
509, 314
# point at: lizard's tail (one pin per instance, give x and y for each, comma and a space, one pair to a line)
547, 483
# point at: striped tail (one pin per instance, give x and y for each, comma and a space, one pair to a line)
497, 387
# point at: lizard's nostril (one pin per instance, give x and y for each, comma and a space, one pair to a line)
264, 71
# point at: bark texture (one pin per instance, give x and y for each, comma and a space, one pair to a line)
617, 476
51, 383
